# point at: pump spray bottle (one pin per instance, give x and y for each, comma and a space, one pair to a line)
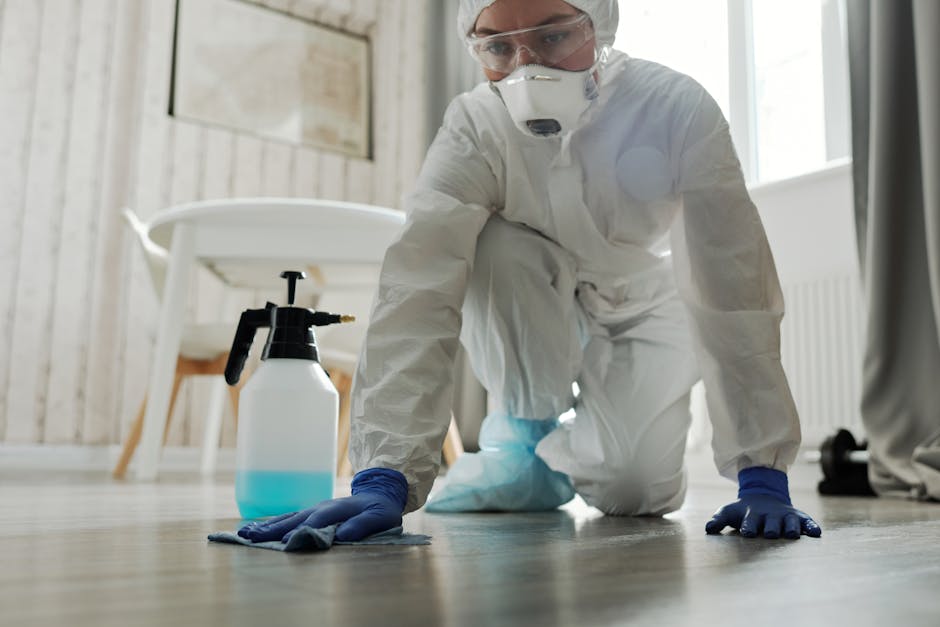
288, 410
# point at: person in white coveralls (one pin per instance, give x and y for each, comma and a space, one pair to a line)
580, 217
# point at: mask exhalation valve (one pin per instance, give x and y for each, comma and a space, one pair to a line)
543, 127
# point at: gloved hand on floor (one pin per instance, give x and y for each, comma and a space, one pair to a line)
763, 506
377, 503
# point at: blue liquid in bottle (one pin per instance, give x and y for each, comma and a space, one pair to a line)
262, 493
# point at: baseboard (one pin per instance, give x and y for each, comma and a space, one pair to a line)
102, 458
187, 459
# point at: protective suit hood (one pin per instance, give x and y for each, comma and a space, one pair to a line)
603, 13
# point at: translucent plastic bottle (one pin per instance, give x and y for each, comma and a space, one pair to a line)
286, 450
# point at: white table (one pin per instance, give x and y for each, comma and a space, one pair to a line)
284, 233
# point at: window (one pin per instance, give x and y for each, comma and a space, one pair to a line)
696, 44
778, 70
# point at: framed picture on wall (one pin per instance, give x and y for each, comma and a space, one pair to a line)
247, 67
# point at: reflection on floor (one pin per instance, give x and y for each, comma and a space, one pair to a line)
80, 549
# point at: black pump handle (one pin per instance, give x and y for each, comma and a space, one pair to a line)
250, 321
292, 277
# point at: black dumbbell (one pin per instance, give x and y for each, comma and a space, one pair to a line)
845, 466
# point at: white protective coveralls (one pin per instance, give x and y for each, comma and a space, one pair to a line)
549, 258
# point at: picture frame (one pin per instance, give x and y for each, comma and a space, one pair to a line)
250, 68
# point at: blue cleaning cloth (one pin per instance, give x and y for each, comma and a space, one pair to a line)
310, 539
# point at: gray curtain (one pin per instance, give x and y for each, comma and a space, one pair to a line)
894, 56
451, 72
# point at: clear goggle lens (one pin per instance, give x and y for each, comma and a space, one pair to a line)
548, 44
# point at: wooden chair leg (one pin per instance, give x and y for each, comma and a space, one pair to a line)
343, 383
130, 444
233, 391
133, 438
345, 467
453, 443
177, 382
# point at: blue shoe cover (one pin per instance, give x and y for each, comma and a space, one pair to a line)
506, 475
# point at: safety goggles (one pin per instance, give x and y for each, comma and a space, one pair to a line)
549, 44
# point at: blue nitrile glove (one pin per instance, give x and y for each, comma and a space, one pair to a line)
763, 505
377, 503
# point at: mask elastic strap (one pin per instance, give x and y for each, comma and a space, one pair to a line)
602, 57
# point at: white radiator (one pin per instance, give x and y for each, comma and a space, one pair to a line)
821, 347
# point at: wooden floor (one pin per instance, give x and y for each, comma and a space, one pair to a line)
81, 549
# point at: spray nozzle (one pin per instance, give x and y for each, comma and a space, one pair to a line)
322, 318
291, 330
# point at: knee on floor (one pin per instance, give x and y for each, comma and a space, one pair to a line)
631, 492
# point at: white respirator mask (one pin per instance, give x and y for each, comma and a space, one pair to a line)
545, 101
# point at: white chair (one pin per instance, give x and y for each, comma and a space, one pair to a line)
247, 243
203, 351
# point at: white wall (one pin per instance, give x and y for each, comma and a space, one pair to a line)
810, 224
84, 88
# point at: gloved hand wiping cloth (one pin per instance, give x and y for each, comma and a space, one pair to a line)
372, 515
